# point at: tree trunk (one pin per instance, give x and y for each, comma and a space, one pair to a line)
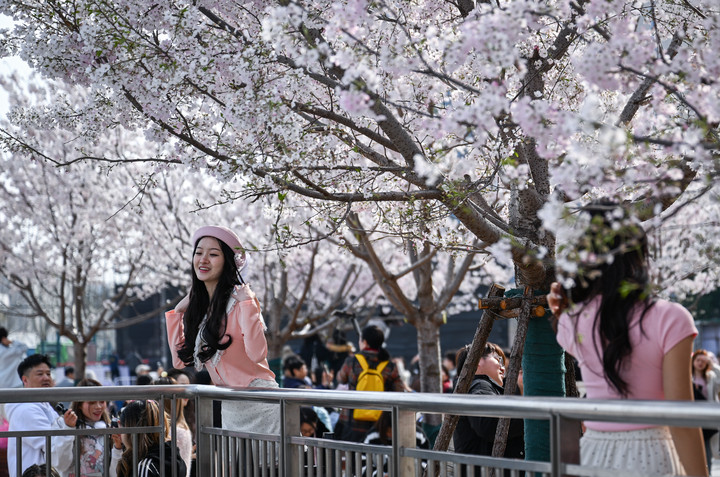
275, 346
80, 360
544, 375
428, 338
274, 356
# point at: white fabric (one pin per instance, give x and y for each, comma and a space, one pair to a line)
10, 357
185, 445
644, 452
91, 456
35, 416
252, 416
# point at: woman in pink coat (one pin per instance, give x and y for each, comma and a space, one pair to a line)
219, 325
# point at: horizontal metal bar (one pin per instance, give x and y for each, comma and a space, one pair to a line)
216, 431
690, 414
578, 470
99, 393
506, 463
83, 431
344, 446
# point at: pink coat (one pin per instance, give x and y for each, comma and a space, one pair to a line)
246, 358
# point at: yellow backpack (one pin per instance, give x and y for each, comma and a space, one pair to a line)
369, 380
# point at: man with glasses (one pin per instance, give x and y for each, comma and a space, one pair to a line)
476, 435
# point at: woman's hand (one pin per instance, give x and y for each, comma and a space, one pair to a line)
183, 305
70, 418
557, 299
117, 441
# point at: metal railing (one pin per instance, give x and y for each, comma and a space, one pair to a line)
227, 452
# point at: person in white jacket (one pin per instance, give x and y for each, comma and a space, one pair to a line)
34, 371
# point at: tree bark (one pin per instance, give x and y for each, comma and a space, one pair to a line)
79, 359
428, 337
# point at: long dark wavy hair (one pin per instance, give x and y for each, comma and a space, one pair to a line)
141, 414
83, 421
621, 280
201, 304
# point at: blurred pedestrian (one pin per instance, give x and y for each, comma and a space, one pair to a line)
449, 362
68, 381
147, 414
705, 388
350, 426
295, 373
11, 353
41, 470
183, 434
382, 434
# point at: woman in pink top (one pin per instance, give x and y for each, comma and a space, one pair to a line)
218, 325
629, 345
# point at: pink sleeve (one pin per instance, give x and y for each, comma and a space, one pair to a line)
677, 324
566, 334
175, 335
246, 313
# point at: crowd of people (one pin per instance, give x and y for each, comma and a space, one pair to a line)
627, 343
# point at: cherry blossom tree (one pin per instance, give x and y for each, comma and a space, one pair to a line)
425, 284
504, 114
71, 245
302, 287
443, 102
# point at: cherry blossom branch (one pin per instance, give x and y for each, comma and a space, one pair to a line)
673, 90
640, 95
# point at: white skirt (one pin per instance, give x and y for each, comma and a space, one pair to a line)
644, 451
252, 416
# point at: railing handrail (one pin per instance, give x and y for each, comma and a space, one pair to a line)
678, 413
562, 414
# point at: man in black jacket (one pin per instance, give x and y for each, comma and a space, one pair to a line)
476, 435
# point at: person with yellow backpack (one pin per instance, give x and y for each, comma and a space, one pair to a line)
371, 369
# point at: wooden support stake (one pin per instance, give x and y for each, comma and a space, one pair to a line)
466, 374
501, 303
526, 309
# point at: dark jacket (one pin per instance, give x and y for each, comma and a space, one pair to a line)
295, 383
476, 435
149, 466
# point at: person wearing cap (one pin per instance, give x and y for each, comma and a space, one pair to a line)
219, 326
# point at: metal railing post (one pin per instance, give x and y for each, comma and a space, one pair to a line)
564, 443
203, 419
403, 426
289, 426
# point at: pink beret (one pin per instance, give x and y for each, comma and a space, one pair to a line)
221, 233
